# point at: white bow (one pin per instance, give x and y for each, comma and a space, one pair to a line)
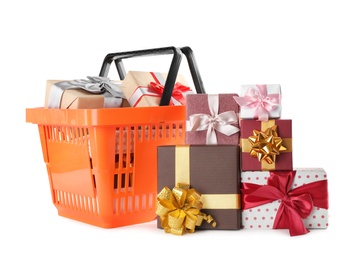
222, 122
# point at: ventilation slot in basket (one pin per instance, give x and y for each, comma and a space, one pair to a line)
76, 202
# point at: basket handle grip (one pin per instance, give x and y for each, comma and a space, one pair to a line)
173, 70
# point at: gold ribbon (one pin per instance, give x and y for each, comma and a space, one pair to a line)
266, 145
179, 209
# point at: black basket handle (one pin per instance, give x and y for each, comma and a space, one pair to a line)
173, 70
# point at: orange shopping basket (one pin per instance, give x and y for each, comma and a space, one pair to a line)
102, 163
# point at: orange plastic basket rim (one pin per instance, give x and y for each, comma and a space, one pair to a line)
105, 116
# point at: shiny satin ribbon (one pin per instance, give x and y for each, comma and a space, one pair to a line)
222, 122
94, 85
256, 145
183, 175
260, 100
266, 145
155, 89
296, 204
177, 93
179, 209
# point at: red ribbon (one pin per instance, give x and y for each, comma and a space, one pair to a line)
177, 92
296, 204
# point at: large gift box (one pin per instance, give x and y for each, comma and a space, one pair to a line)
266, 145
296, 200
212, 119
87, 94
145, 88
261, 102
211, 170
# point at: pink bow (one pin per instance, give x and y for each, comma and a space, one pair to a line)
260, 100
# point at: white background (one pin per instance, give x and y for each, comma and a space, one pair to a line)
303, 45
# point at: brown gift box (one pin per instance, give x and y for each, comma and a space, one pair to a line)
213, 170
79, 98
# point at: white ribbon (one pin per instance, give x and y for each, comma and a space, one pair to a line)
222, 122
95, 85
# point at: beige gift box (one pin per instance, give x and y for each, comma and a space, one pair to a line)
79, 98
137, 90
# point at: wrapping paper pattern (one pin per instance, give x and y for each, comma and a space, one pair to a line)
262, 217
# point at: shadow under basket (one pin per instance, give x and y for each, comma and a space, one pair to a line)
102, 163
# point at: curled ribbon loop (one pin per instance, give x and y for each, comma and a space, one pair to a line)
266, 145
179, 210
296, 204
260, 100
222, 122
177, 93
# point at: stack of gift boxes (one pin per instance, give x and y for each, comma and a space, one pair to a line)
236, 170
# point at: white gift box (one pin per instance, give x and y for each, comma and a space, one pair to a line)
264, 215
260, 101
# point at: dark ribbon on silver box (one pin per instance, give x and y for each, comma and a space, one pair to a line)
94, 85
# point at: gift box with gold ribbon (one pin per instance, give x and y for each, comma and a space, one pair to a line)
212, 119
199, 188
266, 145
296, 200
145, 88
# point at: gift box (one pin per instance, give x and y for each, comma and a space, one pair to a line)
212, 119
145, 88
83, 94
266, 145
261, 102
213, 171
296, 200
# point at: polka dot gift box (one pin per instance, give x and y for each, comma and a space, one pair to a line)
296, 200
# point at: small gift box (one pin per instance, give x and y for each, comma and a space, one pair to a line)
213, 171
212, 119
261, 102
145, 88
96, 92
296, 200
266, 145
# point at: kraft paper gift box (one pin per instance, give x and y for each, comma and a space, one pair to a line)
212, 119
145, 88
65, 95
266, 145
213, 171
261, 102
296, 200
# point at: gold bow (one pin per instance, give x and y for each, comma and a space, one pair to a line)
179, 209
266, 145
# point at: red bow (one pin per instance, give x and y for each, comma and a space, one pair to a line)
177, 92
296, 204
